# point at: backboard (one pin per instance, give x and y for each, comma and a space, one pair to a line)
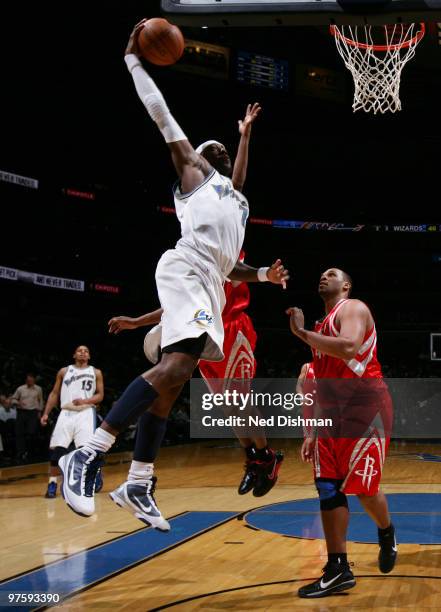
221, 13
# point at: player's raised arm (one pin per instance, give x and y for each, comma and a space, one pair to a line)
191, 167
276, 273
353, 321
118, 324
241, 161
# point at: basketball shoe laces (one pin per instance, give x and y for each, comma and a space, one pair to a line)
151, 486
268, 463
332, 566
250, 465
90, 470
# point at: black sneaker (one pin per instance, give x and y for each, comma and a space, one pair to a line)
249, 478
336, 577
51, 490
267, 474
388, 551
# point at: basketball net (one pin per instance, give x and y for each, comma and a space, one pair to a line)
375, 56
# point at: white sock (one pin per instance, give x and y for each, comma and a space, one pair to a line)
53, 479
100, 441
140, 472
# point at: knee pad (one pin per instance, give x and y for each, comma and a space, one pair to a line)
56, 454
330, 495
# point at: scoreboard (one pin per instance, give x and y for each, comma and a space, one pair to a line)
261, 70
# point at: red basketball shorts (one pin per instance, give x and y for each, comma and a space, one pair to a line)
358, 462
239, 363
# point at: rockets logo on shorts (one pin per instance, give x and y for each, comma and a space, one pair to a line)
203, 317
368, 472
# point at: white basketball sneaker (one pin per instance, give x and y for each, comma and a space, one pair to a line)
140, 501
79, 469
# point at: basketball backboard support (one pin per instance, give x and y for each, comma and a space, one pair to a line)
435, 347
222, 13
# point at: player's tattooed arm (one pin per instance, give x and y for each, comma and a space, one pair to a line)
276, 273
118, 324
241, 161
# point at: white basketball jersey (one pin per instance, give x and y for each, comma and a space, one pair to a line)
78, 383
213, 218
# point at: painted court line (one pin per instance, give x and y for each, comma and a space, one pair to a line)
83, 569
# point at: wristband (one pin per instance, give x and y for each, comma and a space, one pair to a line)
262, 274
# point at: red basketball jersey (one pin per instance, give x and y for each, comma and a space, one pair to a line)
237, 300
364, 365
309, 390
309, 383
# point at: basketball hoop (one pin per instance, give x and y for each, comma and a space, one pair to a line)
376, 55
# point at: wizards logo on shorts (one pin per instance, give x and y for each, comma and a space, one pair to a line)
203, 317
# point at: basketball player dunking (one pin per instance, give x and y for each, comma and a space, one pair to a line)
189, 279
262, 464
344, 346
78, 388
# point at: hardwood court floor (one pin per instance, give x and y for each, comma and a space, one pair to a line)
221, 563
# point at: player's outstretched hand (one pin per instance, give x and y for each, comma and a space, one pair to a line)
132, 45
117, 324
277, 274
251, 114
296, 319
307, 450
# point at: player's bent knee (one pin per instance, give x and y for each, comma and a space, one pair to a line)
339, 500
367, 497
330, 495
174, 374
56, 454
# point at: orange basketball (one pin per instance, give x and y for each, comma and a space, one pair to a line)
160, 42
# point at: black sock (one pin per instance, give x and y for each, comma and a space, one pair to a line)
386, 532
264, 454
151, 430
132, 404
338, 558
250, 452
